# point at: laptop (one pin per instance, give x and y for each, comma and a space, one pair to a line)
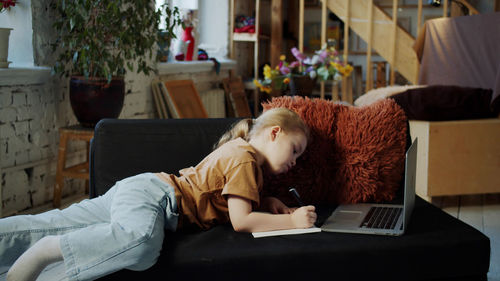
382, 219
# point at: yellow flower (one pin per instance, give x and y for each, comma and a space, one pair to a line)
343, 70
282, 57
267, 71
266, 89
286, 80
257, 83
348, 70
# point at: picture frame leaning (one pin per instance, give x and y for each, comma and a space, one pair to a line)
182, 99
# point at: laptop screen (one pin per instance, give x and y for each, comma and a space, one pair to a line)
410, 175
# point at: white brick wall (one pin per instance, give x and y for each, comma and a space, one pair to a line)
28, 139
30, 116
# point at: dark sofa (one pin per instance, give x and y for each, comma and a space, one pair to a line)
435, 247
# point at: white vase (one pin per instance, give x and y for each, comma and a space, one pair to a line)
4, 46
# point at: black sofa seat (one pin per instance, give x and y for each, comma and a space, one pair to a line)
436, 246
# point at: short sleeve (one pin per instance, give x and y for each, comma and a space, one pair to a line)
242, 181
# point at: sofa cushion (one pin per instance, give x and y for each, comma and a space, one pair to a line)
445, 102
123, 148
382, 93
356, 154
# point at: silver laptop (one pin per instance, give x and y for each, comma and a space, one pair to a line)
382, 219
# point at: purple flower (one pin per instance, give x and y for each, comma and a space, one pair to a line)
294, 64
284, 70
296, 53
323, 54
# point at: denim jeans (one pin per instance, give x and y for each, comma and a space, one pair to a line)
123, 228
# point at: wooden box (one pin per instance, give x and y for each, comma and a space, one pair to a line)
457, 157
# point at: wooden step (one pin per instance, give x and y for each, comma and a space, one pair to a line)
406, 61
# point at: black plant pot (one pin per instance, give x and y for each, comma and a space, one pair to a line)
301, 85
94, 99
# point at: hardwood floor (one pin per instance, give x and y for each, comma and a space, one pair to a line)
483, 213
479, 211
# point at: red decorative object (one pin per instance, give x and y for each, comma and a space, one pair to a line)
245, 29
187, 37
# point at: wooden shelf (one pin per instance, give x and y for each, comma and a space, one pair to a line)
255, 39
250, 37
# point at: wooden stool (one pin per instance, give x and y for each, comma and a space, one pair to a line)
79, 171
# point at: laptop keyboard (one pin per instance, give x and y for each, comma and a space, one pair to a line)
381, 217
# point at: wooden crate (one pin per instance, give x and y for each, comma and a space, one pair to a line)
457, 157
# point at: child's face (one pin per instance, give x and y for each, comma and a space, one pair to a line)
284, 149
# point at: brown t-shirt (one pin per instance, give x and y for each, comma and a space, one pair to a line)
201, 191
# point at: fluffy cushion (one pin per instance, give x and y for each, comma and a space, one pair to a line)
382, 93
444, 102
355, 154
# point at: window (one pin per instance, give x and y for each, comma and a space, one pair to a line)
213, 28
21, 37
212, 25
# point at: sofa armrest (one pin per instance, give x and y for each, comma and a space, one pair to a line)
122, 148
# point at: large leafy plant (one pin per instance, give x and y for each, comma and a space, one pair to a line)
105, 38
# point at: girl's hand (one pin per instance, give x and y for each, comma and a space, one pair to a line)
304, 217
275, 206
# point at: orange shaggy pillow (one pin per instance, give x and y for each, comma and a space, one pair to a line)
356, 154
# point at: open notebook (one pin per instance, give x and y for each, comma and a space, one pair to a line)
286, 232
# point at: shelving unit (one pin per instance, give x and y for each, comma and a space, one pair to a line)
255, 39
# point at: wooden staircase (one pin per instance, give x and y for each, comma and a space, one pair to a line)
381, 41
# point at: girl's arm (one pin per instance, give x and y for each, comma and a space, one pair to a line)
244, 219
275, 206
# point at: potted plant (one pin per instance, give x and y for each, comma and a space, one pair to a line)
300, 75
4, 34
98, 42
6, 4
165, 35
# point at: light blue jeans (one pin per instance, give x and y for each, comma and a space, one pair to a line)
124, 228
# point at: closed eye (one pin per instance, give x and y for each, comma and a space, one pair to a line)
298, 151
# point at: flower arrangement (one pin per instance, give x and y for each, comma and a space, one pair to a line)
325, 64
6, 4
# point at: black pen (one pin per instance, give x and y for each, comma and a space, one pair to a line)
296, 195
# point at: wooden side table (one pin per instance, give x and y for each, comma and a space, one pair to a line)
79, 171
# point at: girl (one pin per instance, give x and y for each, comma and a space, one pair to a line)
124, 228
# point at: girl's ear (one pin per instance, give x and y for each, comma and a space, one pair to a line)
275, 131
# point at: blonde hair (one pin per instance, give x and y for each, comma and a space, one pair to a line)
247, 128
